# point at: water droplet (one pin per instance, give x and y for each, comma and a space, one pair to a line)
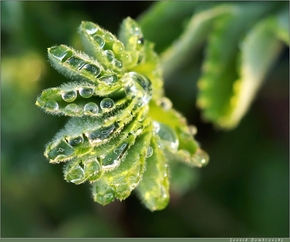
118, 47
101, 134
108, 37
72, 109
149, 152
62, 53
109, 79
86, 92
118, 63
139, 86
110, 55
113, 159
125, 57
93, 170
91, 108
167, 136
75, 141
75, 175
140, 40
90, 27
104, 198
192, 130
107, 103
200, 157
99, 41
120, 149
51, 105
60, 150
69, 96
165, 103
75, 62
92, 69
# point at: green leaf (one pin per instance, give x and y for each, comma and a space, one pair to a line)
107, 140
153, 190
259, 50
192, 38
120, 182
216, 85
156, 20
188, 149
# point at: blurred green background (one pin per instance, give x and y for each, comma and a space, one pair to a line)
243, 192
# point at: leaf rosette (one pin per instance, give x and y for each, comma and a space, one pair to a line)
122, 131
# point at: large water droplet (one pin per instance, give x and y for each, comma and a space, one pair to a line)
75, 141
75, 62
99, 41
139, 86
73, 109
75, 175
113, 159
140, 40
93, 170
167, 135
91, 108
86, 92
103, 195
62, 53
90, 27
165, 103
108, 37
101, 134
92, 69
200, 157
109, 79
107, 103
60, 151
69, 96
118, 47
118, 63
110, 55
51, 105
149, 152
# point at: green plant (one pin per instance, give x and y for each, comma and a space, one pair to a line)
123, 132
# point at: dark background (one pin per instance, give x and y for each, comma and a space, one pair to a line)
243, 192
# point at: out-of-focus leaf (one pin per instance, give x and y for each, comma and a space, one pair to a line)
220, 65
282, 25
259, 50
198, 28
163, 22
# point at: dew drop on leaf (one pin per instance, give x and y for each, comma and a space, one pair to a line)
118, 63
91, 108
75, 62
61, 53
110, 55
118, 47
76, 175
90, 28
149, 152
165, 103
99, 41
51, 105
108, 37
92, 69
107, 103
76, 141
69, 96
86, 92
72, 109
167, 135
109, 79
